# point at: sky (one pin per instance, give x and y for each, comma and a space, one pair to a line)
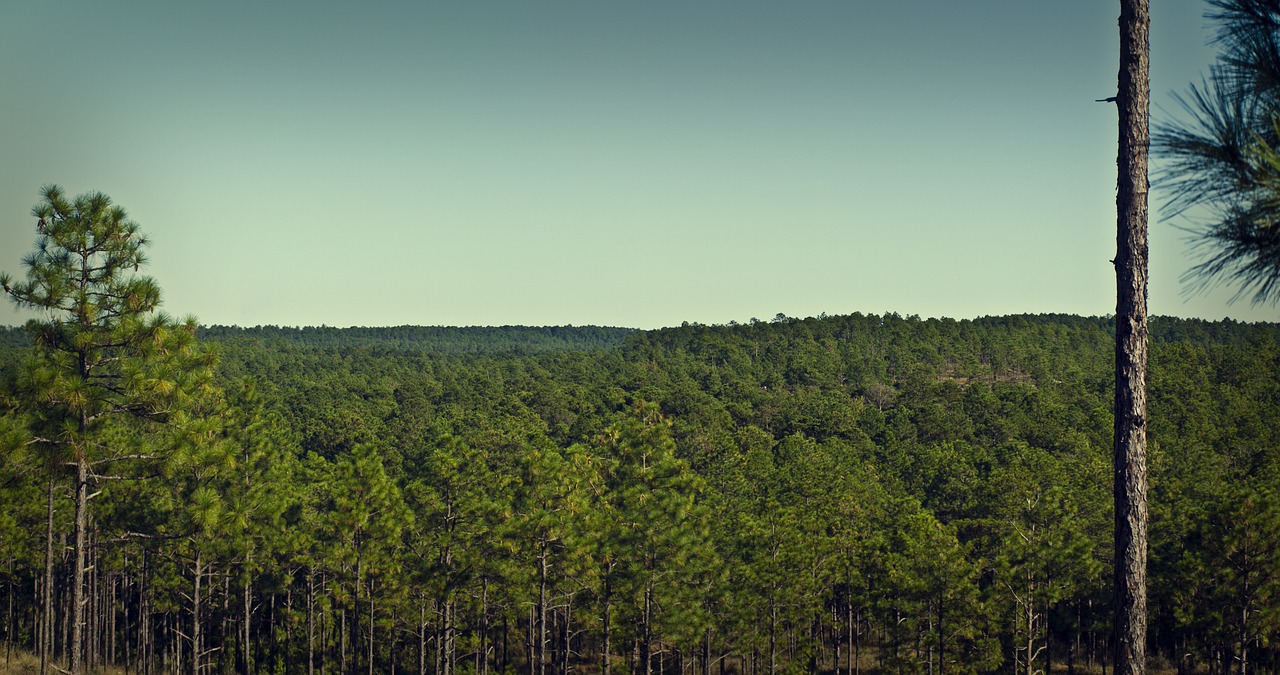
558, 162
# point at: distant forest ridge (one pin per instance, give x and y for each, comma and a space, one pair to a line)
438, 339
544, 339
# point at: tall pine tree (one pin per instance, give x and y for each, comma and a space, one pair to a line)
101, 350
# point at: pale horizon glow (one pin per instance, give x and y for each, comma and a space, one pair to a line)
569, 162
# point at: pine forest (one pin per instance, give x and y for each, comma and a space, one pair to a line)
838, 494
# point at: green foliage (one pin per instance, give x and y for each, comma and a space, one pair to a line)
1220, 159
919, 491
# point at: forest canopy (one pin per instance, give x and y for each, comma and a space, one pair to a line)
834, 493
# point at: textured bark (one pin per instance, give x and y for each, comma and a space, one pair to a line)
540, 651
247, 607
78, 576
1133, 101
195, 617
605, 664
46, 619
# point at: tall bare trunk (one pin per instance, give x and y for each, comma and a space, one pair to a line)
646, 638
542, 611
1133, 101
311, 621
247, 606
77, 576
606, 668
195, 616
482, 660
46, 620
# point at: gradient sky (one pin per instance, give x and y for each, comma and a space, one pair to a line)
572, 162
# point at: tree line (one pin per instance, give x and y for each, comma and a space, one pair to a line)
832, 494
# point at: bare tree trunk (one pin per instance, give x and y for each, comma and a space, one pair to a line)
773, 636
311, 621
195, 617
942, 639
46, 620
646, 637
605, 665
542, 611
482, 665
146, 644
1133, 101
77, 575
247, 607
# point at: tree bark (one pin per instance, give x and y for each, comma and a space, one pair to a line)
371, 626
1130, 464
311, 621
195, 616
77, 579
46, 620
539, 654
247, 607
646, 635
605, 665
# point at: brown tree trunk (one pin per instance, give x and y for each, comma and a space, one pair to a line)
646, 634
246, 605
539, 652
606, 667
482, 666
77, 575
46, 620
195, 616
311, 621
1133, 101
422, 639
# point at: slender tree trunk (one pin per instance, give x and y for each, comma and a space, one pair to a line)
1133, 101
1244, 628
568, 620
706, 652
646, 637
311, 621
773, 636
857, 643
483, 664
1031, 624
195, 616
542, 611
247, 606
533, 622
288, 630
1048, 638
451, 651
942, 638
440, 639
46, 620
78, 575
606, 668
146, 645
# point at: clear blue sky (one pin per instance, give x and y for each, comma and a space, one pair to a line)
574, 162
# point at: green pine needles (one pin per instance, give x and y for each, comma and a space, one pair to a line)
104, 357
